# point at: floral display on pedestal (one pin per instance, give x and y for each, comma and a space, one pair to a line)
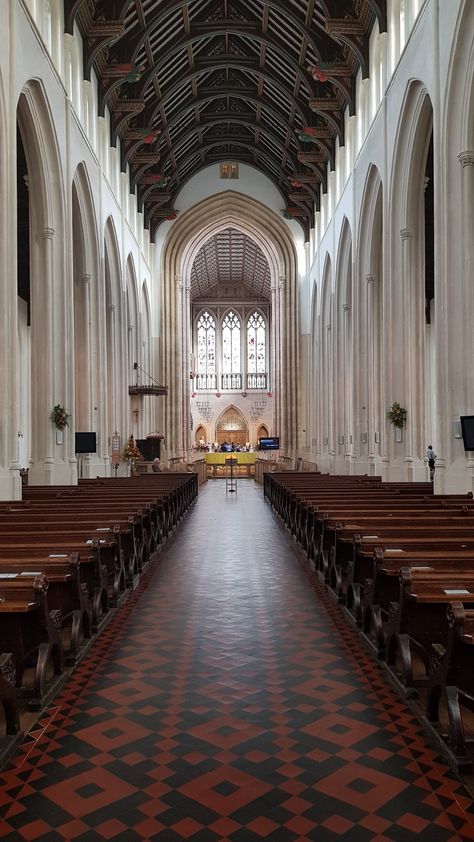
131, 453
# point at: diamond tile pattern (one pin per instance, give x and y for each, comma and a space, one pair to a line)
229, 700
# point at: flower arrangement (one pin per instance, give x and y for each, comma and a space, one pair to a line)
131, 451
60, 417
397, 415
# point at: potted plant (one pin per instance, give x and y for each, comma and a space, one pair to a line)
397, 415
60, 417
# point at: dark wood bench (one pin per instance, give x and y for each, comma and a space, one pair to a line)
452, 681
418, 619
31, 633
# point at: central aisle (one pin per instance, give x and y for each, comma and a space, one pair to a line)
229, 700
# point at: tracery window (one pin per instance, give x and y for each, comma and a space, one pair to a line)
206, 344
256, 344
231, 344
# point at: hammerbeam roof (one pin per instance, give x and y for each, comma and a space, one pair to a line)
192, 83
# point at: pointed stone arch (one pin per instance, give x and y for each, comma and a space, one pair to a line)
326, 365
342, 346
411, 384
115, 348
12, 414
200, 435
182, 243
87, 319
368, 328
232, 426
145, 356
454, 206
52, 380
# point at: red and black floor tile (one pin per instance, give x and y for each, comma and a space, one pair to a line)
228, 699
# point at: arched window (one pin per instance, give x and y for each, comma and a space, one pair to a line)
231, 344
206, 352
231, 363
256, 351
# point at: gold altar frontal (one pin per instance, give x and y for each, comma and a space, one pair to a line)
216, 463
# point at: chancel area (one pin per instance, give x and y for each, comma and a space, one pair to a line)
236, 420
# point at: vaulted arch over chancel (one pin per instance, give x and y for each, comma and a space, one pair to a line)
262, 240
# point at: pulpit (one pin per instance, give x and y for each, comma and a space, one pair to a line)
150, 448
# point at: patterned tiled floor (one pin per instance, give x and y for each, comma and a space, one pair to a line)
229, 700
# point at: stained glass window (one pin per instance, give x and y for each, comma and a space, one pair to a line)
206, 344
256, 345
231, 344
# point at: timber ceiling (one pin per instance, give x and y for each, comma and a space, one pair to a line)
230, 260
206, 81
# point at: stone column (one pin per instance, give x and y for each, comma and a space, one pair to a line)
187, 351
408, 334
179, 367
273, 343
330, 395
466, 159
370, 372
347, 385
282, 393
88, 341
112, 387
43, 470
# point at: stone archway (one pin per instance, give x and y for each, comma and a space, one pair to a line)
231, 427
184, 240
200, 435
262, 432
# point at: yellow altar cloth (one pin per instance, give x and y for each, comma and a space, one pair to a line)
216, 463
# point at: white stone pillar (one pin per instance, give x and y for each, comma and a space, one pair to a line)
283, 395
370, 373
112, 386
466, 159
42, 466
408, 328
187, 351
180, 364
347, 385
87, 351
271, 365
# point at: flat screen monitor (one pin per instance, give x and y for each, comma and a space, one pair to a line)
467, 429
269, 443
86, 443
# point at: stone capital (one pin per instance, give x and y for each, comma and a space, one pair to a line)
346, 307
86, 279
406, 233
370, 279
48, 233
466, 159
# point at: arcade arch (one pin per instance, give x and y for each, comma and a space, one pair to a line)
181, 246
46, 278
413, 383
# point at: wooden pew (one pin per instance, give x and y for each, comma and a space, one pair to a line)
418, 620
68, 600
30, 633
452, 681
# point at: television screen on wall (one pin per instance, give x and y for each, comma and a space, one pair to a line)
467, 429
269, 443
86, 443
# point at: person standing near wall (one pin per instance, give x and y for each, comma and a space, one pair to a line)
431, 457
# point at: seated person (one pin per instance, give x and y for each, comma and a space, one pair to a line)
156, 465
